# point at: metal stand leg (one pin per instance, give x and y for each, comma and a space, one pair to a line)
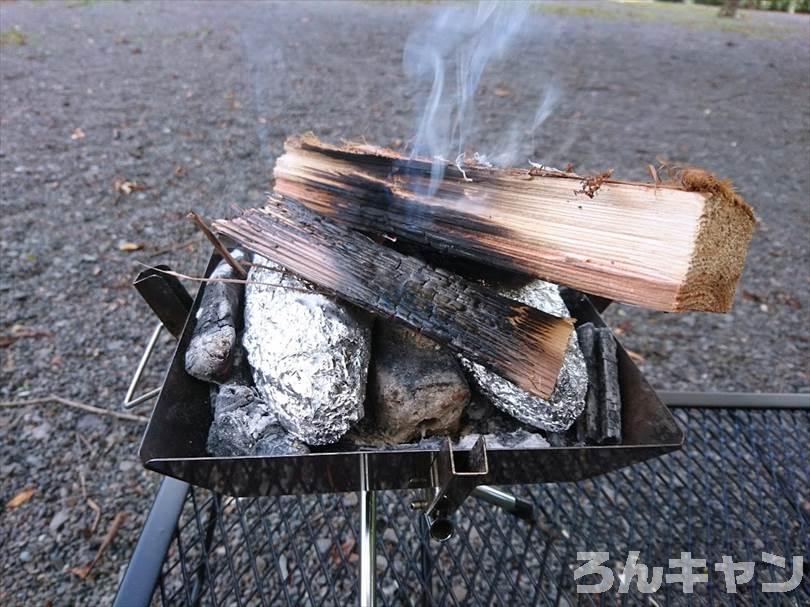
426, 562
514, 505
368, 536
129, 401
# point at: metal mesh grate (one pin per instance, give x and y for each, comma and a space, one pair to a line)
739, 487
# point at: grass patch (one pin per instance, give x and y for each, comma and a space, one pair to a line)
13, 37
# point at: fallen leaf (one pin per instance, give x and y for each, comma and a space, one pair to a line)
77, 134
129, 247
348, 546
622, 327
180, 171
502, 91
336, 553
21, 497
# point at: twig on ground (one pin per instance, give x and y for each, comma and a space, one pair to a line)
82, 483
97, 509
75, 405
19, 332
90, 448
221, 249
90, 502
85, 570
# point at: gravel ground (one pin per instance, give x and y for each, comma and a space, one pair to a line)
193, 101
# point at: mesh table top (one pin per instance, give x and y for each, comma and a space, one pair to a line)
740, 487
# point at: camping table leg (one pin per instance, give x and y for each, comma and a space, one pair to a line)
144, 567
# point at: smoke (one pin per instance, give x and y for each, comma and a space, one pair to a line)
451, 54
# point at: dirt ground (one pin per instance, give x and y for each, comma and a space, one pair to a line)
117, 117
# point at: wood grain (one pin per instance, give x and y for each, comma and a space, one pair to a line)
657, 246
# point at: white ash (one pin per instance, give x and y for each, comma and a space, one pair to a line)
309, 354
567, 400
240, 417
209, 355
516, 439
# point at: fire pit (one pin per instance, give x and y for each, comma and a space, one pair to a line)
175, 442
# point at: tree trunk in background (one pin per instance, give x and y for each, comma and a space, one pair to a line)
729, 8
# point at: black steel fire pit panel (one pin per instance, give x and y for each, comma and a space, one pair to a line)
175, 438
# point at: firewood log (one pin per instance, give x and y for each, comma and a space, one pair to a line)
667, 246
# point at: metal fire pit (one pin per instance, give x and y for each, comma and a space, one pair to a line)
175, 443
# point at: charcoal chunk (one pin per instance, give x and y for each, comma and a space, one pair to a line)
277, 441
518, 439
601, 423
240, 417
612, 412
209, 356
588, 428
243, 424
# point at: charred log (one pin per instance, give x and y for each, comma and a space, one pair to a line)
516, 341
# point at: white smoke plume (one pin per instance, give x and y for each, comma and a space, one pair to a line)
451, 53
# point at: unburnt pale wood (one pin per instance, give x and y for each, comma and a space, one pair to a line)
517, 341
669, 247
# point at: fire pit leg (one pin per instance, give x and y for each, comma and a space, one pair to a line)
368, 536
510, 503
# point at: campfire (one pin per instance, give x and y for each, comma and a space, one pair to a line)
359, 309
404, 305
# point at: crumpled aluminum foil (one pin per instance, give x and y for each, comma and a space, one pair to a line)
567, 401
309, 354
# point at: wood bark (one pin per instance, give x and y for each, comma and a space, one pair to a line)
517, 341
671, 247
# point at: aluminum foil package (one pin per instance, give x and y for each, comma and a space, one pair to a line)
309, 354
567, 401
